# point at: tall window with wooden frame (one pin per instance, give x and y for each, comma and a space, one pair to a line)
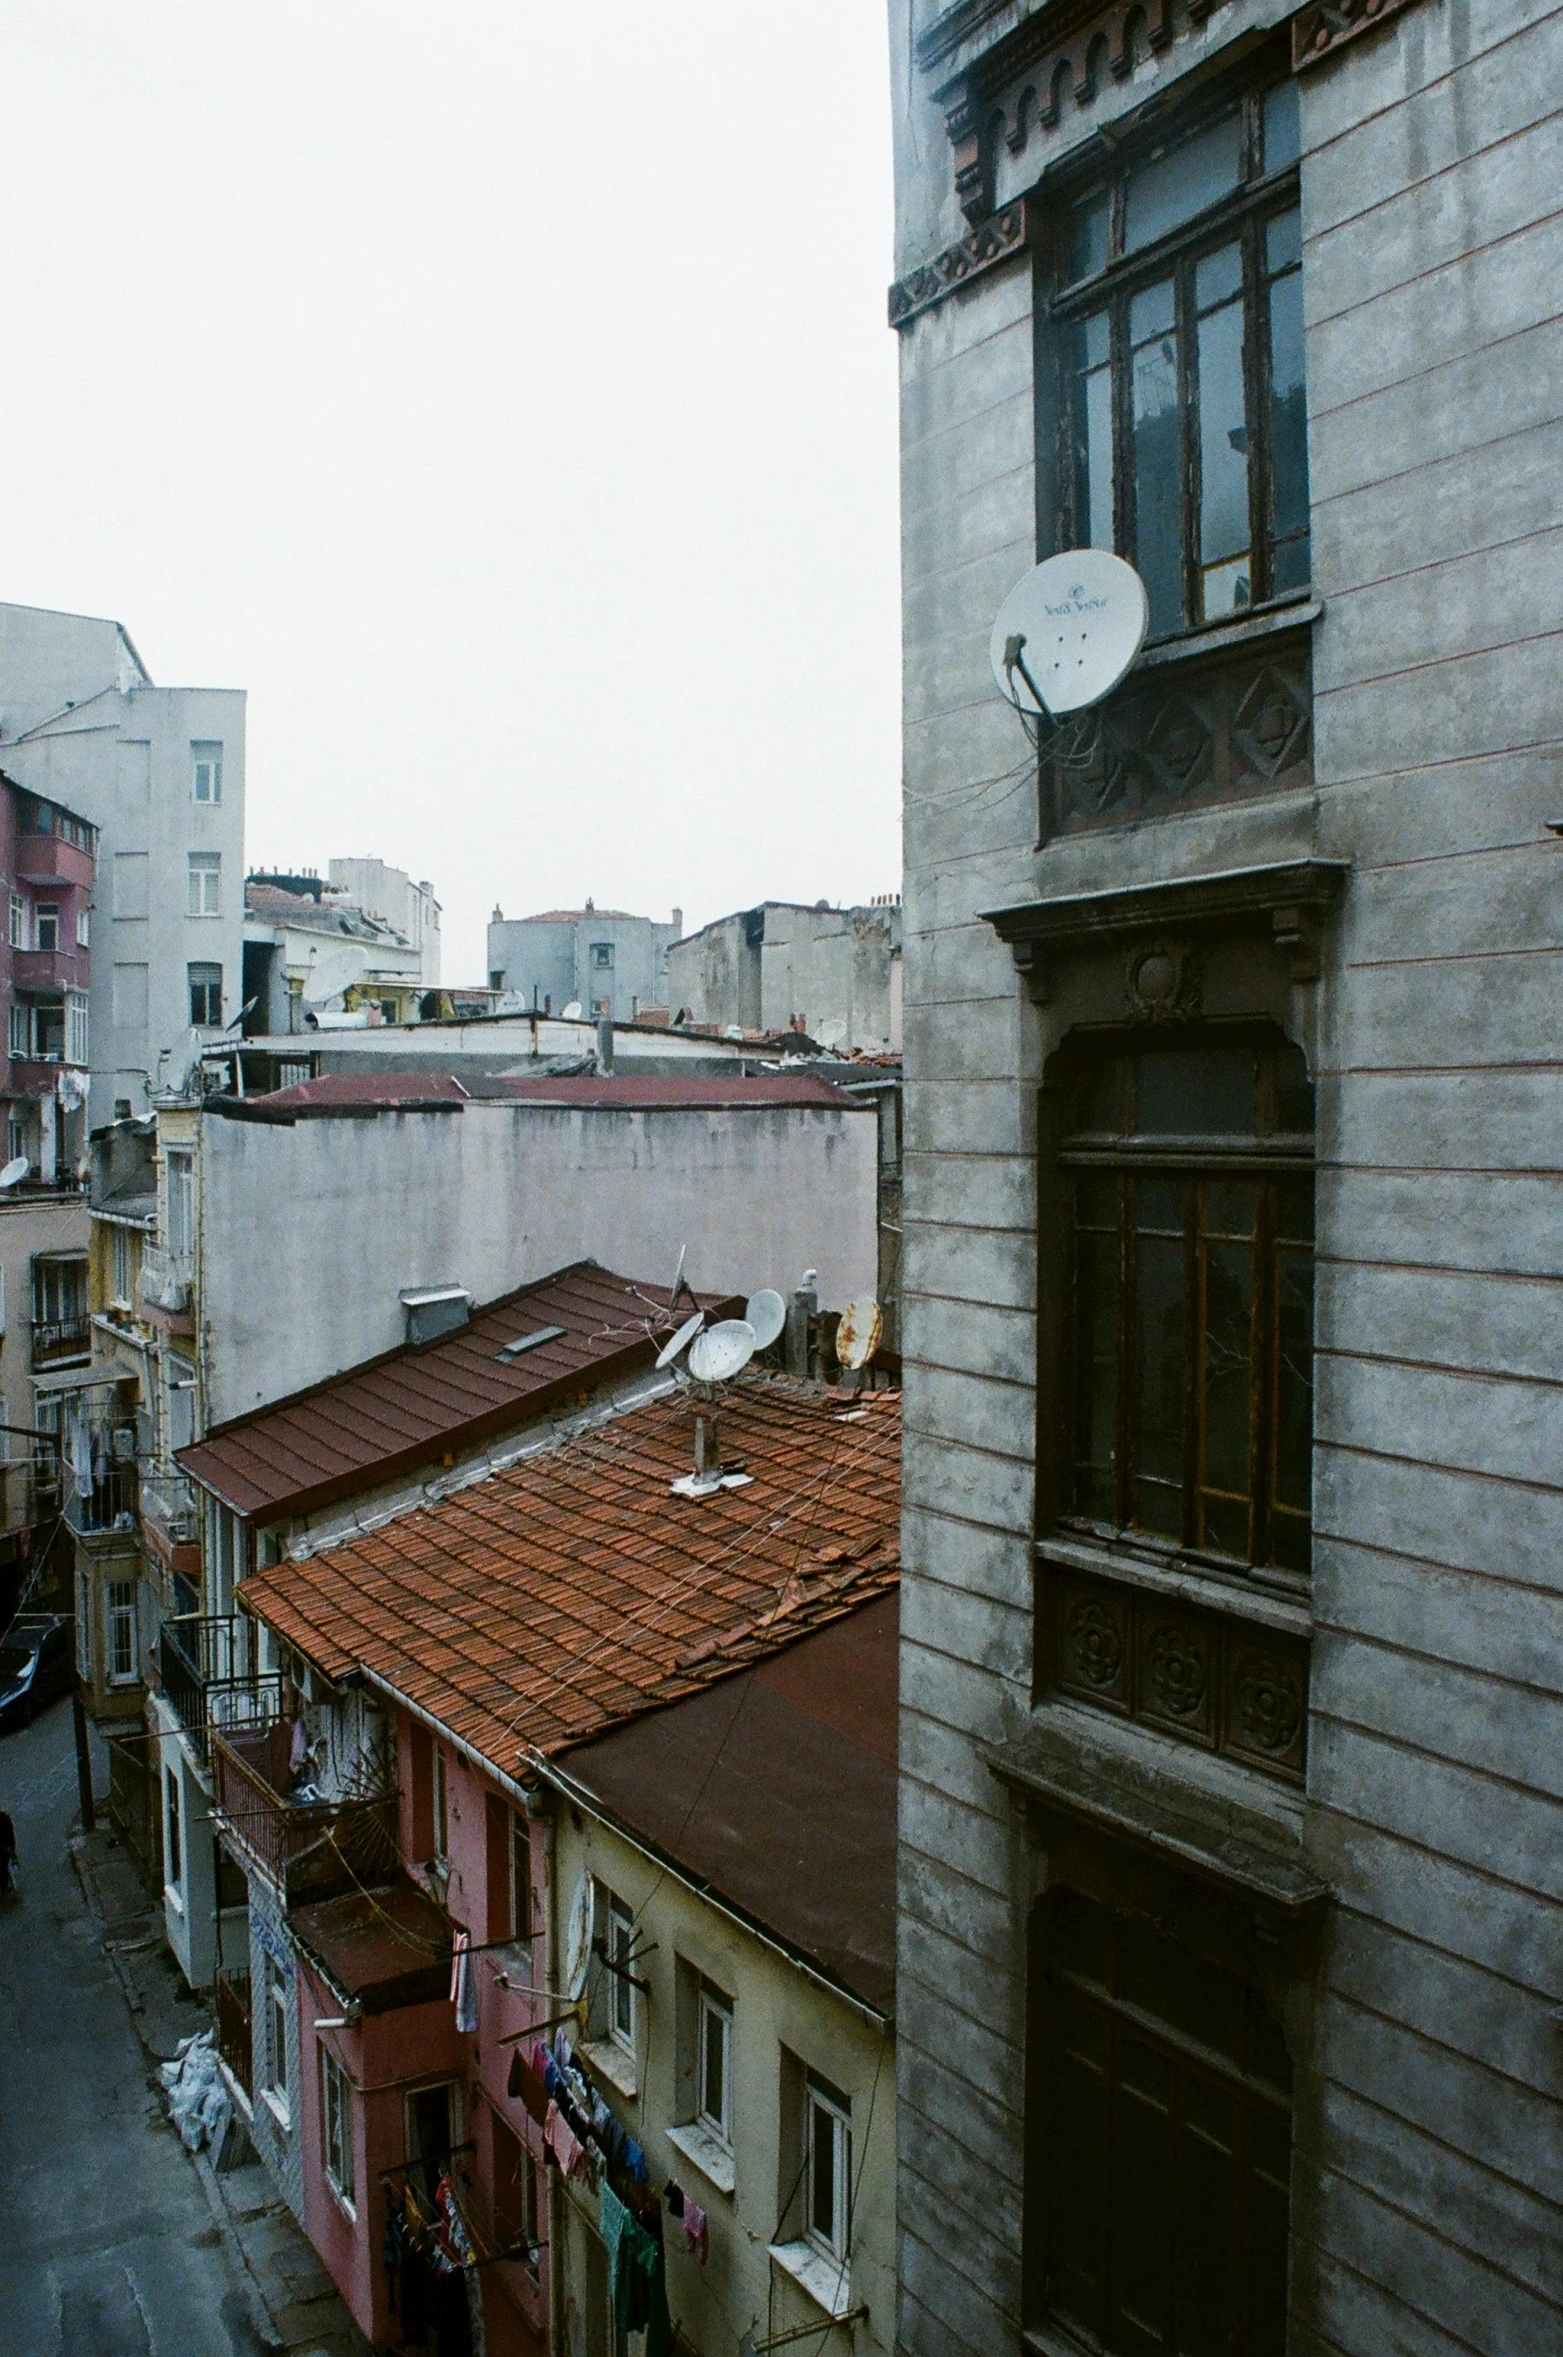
1176, 332
1190, 1310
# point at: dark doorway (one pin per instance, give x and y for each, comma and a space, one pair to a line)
431, 2134
1158, 2142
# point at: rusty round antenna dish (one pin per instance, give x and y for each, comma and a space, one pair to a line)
721, 1351
681, 1340
857, 1336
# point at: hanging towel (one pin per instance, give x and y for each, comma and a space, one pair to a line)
635, 2162
696, 2234
463, 1985
563, 2143
524, 2081
615, 2224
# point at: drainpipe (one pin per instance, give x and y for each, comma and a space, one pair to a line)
551, 2177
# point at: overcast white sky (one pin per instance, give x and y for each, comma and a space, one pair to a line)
503, 396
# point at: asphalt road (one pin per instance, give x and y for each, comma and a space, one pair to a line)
108, 2248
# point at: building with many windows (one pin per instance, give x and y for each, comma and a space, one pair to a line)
1229, 1910
159, 772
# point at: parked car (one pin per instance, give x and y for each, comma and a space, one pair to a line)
35, 1665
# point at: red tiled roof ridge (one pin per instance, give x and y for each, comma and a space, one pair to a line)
571, 1591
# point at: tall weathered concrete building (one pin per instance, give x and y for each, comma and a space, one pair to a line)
1230, 1886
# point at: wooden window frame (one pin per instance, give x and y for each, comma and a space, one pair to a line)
713, 2005
1266, 1159
1242, 215
336, 2130
823, 2103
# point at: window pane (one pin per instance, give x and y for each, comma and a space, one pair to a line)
1294, 1409
1218, 277
822, 2206
1179, 185
1093, 435
1223, 463
1283, 132
1088, 229
1158, 505
1193, 1092
1160, 1350
1288, 433
713, 2097
1096, 1373
1228, 1385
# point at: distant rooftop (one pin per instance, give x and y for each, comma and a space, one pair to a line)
574, 1591
369, 1092
414, 1404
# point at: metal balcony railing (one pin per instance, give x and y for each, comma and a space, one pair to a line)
165, 1280
110, 1503
207, 1674
168, 1502
233, 2024
306, 1849
57, 1341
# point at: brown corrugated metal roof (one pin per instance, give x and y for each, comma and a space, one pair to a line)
411, 1406
613, 1091
574, 1590
777, 1790
378, 1949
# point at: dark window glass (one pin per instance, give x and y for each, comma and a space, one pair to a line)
1184, 403
1190, 178
1191, 1304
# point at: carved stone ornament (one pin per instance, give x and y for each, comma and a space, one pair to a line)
1164, 982
1177, 1670
1319, 31
996, 240
1267, 1702
1095, 1643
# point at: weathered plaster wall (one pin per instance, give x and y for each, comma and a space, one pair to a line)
1429, 2152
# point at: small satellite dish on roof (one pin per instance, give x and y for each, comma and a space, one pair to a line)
1068, 631
15, 1171
578, 1940
681, 1340
766, 1312
721, 1351
571, 1013
857, 1335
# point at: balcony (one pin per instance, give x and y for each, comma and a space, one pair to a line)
165, 1287
51, 970
168, 1504
49, 859
233, 2024
61, 1342
109, 1505
206, 1672
310, 1849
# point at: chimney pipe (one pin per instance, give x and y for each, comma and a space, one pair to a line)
605, 1034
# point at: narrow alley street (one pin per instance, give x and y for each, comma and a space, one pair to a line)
111, 2249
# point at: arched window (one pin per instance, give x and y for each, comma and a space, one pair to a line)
1189, 1392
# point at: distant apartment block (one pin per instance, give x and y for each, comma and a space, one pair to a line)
315, 949
832, 972
159, 772
582, 956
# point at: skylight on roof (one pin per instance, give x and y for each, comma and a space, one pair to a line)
526, 1342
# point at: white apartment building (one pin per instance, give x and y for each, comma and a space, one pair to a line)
160, 773
392, 895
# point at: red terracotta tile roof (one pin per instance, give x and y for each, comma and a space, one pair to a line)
666, 1092
408, 1407
574, 1591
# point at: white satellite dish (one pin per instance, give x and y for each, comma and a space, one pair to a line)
571, 1013
766, 1312
857, 1335
718, 1354
681, 1340
14, 1172
1068, 632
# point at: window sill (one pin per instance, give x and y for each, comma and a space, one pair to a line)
1233, 631
172, 1899
613, 2064
278, 2109
1233, 1592
713, 2160
827, 2281
344, 2203
1213, 1818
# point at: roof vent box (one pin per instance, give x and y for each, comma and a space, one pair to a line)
433, 1310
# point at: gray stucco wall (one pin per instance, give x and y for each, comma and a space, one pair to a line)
341, 1215
1429, 2157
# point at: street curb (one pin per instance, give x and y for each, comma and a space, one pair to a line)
261, 2317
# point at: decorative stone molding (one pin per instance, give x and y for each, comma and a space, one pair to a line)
997, 240
1289, 903
1317, 32
1164, 982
